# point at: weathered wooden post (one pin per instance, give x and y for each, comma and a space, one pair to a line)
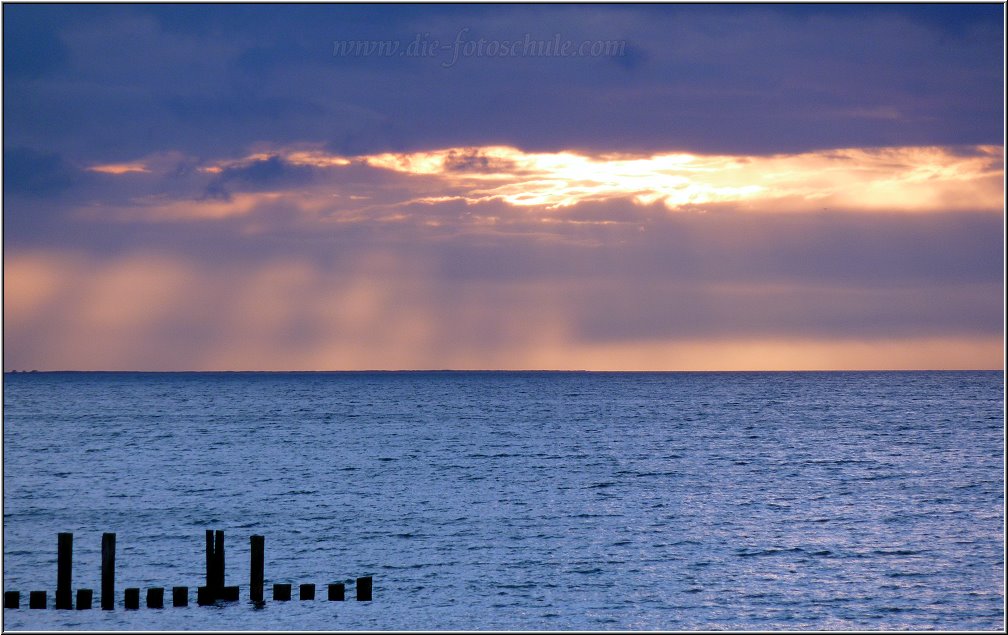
209, 558
337, 592
281, 592
256, 575
218, 564
131, 598
155, 598
84, 597
306, 591
180, 596
64, 570
108, 571
204, 596
12, 599
37, 600
364, 589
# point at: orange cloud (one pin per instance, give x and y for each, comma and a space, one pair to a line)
893, 180
899, 179
119, 168
158, 162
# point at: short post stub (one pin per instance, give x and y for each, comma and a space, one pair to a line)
12, 599
84, 597
281, 592
131, 598
364, 589
37, 600
155, 598
180, 596
337, 592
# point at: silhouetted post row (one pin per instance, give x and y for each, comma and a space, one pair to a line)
214, 591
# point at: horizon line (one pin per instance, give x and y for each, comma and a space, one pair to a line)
520, 370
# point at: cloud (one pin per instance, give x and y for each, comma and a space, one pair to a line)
707, 80
30, 48
853, 288
38, 174
119, 168
905, 179
211, 187
260, 174
376, 188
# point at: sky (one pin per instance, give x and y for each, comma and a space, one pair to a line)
706, 187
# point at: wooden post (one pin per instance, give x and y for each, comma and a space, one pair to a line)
306, 592
108, 571
12, 599
218, 563
84, 597
37, 600
204, 596
180, 596
337, 592
364, 589
132, 598
155, 598
210, 562
281, 592
229, 594
64, 570
256, 572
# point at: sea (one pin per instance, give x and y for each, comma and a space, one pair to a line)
516, 500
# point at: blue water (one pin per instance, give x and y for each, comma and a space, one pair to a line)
519, 500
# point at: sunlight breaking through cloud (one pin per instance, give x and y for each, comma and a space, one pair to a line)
906, 179
910, 179
119, 168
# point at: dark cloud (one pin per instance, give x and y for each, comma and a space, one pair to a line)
258, 175
31, 49
37, 174
241, 106
749, 79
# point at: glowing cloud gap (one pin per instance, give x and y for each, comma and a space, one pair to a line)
119, 168
906, 179
849, 180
